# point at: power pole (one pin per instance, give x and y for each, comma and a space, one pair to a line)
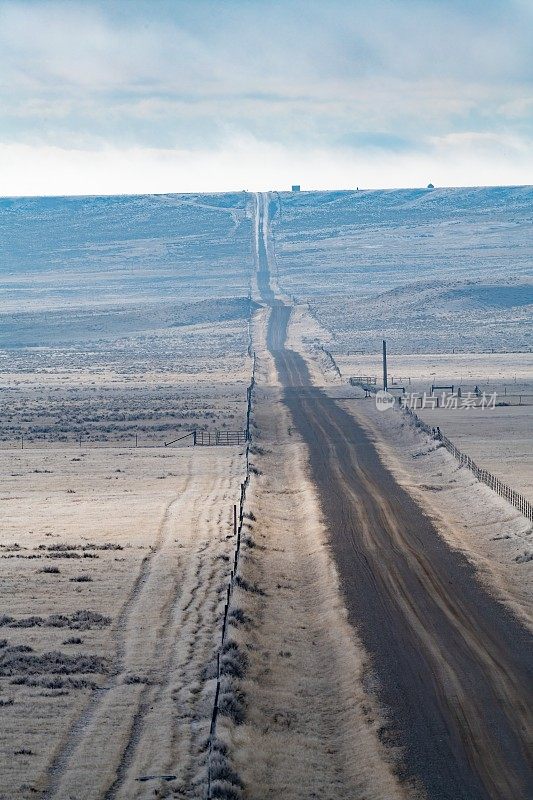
384, 365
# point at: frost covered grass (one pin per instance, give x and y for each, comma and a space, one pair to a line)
92, 349
499, 438
143, 626
428, 270
179, 383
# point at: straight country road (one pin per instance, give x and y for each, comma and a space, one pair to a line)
454, 666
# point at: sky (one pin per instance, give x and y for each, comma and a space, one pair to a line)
149, 96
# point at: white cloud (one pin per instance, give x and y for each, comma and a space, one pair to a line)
466, 141
249, 164
130, 78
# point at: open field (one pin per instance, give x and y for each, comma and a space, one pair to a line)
445, 277
116, 329
113, 568
57, 407
430, 271
377, 636
114, 319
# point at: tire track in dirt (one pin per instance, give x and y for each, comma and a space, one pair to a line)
190, 599
74, 737
185, 646
466, 713
312, 717
454, 665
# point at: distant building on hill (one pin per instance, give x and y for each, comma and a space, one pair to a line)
430, 186
295, 188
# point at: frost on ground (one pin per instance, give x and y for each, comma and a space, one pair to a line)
183, 385
122, 316
428, 270
497, 438
490, 531
105, 680
312, 723
114, 563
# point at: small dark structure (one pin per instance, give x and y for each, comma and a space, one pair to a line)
295, 187
430, 186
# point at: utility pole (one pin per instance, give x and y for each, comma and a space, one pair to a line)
384, 365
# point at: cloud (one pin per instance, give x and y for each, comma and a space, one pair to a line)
247, 163
377, 140
341, 77
469, 140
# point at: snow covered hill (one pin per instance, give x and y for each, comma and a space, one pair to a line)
432, 270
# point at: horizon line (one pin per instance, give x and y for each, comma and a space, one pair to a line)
279, 191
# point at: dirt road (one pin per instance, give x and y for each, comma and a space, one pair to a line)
454, 666
147, 723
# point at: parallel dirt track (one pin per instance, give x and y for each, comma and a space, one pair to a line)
146, 720
454, 666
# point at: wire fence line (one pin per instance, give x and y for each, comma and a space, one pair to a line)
330, 358
238, 521
511, 495
194, 437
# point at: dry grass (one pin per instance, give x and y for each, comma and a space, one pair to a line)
143, 628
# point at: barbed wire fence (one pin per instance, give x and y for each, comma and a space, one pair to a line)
194, 437
238, 522
511, 495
